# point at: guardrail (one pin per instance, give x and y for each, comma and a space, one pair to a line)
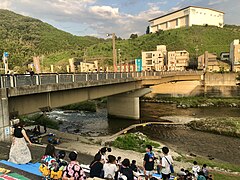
17, 80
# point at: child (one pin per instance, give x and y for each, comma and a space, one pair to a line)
205, 170
133, 166
148, 162
195, 169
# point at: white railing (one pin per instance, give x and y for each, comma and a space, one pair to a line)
17, 80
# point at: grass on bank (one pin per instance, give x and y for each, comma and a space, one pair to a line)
229, 126
195, 101
134, 141
82, 106
40, 119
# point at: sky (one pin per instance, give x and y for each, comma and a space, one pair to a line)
99, 17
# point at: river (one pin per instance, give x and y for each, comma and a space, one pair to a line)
184, 139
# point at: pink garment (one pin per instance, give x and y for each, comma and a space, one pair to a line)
73, 169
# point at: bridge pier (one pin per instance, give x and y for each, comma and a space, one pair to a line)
4, 116
126, 105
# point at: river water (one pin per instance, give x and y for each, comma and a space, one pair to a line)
185, 140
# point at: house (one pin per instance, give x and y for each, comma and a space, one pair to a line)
188, 16
234, 56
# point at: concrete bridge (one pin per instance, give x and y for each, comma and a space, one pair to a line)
22, 94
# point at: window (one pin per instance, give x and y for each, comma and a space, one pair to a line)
148, 55
177, 22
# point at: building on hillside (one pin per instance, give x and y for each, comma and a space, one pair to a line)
188, 16
177, 60
154, 60
235, 55
212, 63
224, 56
88, 66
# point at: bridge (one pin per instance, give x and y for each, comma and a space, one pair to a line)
22, 94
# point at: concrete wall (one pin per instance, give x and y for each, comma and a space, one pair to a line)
226, 79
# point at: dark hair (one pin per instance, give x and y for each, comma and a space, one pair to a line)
195, 162
50, 150
126, 162
204, 165
73, 156
61, 154
149, 147
20, 123
103, 150
165, 150
111, 158
182, 169
97, 157
119, 157
133, 161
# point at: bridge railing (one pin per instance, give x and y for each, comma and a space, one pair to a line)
17, 80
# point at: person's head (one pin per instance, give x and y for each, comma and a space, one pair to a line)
200, 173
182, 169
148, 148
111, 159
134, 162
204, 166
50, 150
119, 158
61, 154
195, 163
19, 124
126, 162
73, 156
165, 150
97, 157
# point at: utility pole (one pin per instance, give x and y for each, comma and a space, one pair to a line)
205, 71
114, 51
5, 62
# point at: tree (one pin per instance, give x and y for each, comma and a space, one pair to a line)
133, 36
148, 30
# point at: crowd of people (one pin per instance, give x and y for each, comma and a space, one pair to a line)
104, 164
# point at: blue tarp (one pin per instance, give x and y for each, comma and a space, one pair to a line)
30, 167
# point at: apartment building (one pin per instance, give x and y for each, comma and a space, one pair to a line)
235, 55
188, 16
154, 60
177, 60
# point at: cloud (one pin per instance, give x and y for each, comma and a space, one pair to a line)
84, 17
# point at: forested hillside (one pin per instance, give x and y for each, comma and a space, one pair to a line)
24, 37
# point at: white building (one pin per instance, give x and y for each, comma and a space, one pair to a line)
186, 17
154, 60
235, 55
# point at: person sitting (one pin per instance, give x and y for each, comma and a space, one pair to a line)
48, 161
73, 170
60, 160
119, 161
125, 170
205, 171
133, 166
96, 167
110, 168
103, 151
201, 176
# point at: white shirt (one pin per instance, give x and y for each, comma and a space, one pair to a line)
109, 170
166, 165
195, 170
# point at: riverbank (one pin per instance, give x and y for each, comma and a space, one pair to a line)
229, 126
194, 102
89, 146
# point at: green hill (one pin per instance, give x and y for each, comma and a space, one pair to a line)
212, 39
24, 37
